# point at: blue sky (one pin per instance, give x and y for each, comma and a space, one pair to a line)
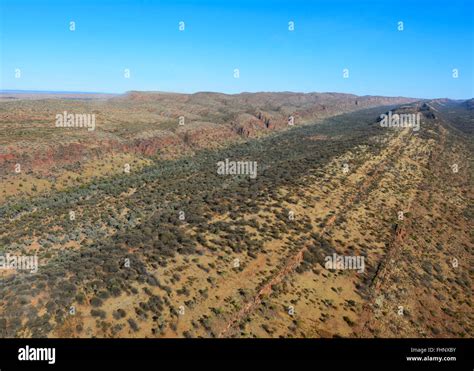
251, 36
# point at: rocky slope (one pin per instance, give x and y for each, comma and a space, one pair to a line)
150, 123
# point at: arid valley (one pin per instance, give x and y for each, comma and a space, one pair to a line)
344, 227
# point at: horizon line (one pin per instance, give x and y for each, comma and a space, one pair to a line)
59, 92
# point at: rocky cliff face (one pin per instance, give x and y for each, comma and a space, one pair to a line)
161, 124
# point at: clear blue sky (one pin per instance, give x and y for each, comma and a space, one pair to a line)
253, 36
